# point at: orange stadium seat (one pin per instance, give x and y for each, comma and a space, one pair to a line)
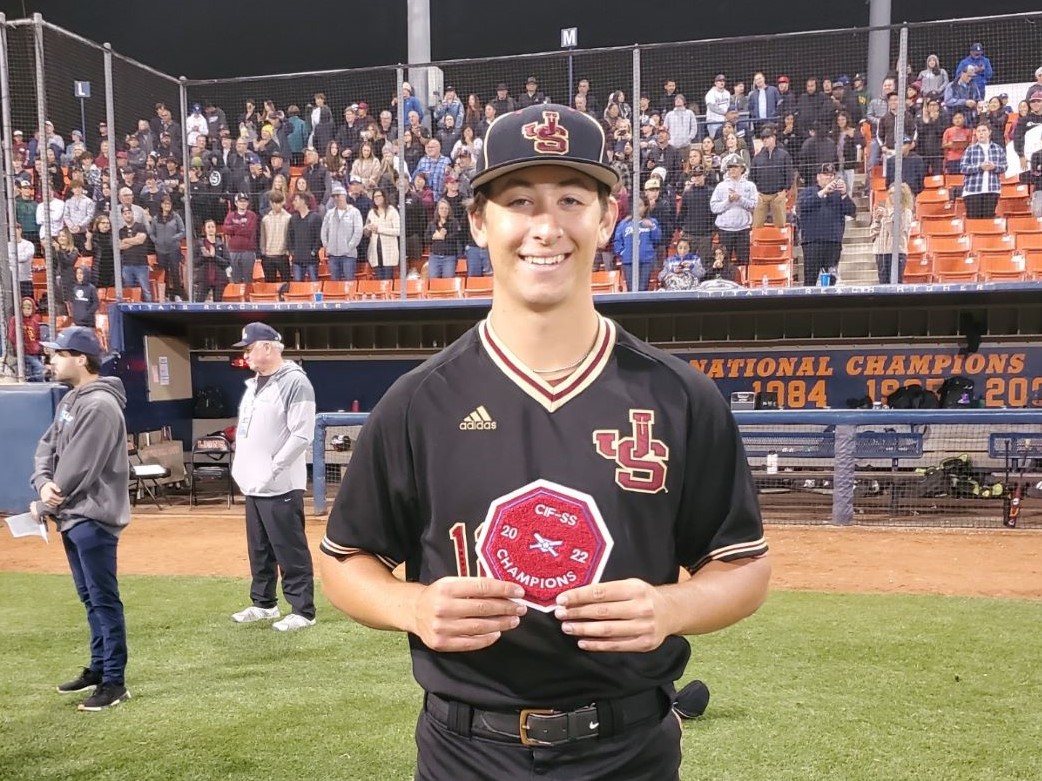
1033, 264
993, 243
934, 203
1029, 241
919, 269
994, 226
936, 226
935, 182
770, 252
374, 288
339, 290
265, 292
478, 287
303, 291
609, 281
235, 291
1002, 267
1018, 225
414, 288
445, 288
775, 274
953, 267
771, 234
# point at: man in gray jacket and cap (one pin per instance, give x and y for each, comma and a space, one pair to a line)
341, 234
82, 474
276, 426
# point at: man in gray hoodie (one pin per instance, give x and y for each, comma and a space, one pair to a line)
275, 429
82, 474
341, 234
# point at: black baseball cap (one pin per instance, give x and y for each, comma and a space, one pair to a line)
827, 168
76, 340
258, 332
544, 134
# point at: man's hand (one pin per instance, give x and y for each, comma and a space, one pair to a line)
51, 494
467, 614
622, 615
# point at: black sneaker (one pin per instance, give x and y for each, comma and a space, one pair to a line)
107, 695
86, 680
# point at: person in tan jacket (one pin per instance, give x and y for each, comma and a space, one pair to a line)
274, 249
882, 231
383, 225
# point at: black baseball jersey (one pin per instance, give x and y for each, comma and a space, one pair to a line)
644, 434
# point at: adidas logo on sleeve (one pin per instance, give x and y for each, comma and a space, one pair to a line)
478, 420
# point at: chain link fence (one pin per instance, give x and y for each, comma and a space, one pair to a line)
251, 134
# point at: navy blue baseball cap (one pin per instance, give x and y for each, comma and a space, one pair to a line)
258, 332
76, 339
544, 134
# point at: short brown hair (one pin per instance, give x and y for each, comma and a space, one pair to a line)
276, 196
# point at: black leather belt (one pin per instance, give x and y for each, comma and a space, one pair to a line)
546, 726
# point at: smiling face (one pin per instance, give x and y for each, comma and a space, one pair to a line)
542, 226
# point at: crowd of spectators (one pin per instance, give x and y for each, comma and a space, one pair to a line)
281, 184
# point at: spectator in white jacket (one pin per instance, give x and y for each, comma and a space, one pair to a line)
341, 235
733, 202
682, 126
196, 124
57, 216
717, 101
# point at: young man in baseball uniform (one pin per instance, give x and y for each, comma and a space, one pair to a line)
543, 480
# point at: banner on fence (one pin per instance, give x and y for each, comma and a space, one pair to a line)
828, 377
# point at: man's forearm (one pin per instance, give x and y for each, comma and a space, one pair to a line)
718, 595
365, 589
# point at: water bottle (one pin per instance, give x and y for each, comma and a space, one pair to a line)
823, 278
765, 282
355, 406
772, 462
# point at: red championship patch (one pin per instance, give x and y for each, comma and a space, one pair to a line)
547, 538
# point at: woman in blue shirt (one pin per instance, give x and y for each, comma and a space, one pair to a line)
648, 234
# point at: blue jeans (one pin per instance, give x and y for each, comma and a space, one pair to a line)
342, 267
309, 269
34, 368
441, 266
644, 271
478, 262
384, 272
137, 276
91, 552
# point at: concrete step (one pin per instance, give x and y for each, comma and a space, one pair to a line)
855, 233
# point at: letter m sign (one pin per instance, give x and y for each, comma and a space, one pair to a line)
569, 37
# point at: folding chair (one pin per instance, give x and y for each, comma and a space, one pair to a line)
211, 460
146, 477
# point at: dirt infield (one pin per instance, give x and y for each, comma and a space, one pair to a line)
997, 563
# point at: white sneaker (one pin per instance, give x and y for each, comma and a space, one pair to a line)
293, 622
254, 613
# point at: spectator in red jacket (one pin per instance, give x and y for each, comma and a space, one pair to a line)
31, 323
240, 233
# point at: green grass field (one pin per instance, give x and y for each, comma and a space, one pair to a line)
814, 687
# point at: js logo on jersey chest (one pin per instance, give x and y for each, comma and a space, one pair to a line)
641, 459
550, 138
546, 537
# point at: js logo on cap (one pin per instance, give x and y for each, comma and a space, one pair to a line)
549, 137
